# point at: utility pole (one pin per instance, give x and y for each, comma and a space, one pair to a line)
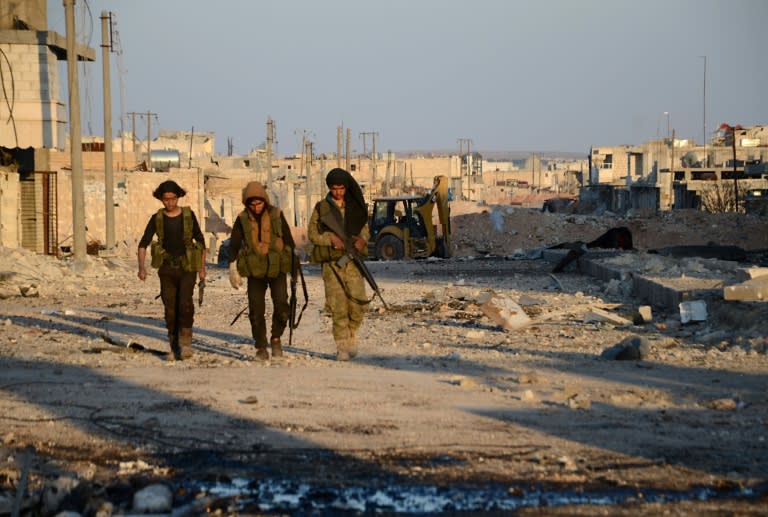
704, 110
373, 135
374, 190
348, 150
466, 165
270, 141
109, 178
308, 197
672, 171
339, 131
191, 142
389, 173
76, 148
149, 116
133, 129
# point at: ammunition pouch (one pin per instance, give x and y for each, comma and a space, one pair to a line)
192, 260
158, 254
322, 254
261, 266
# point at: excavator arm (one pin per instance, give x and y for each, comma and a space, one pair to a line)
438, 197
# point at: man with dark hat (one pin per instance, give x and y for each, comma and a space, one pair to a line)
344, 285
179, 256
261, 249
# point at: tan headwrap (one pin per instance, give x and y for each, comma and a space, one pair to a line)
261, 234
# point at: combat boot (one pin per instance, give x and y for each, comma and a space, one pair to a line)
277, 347
185, 343
343, 351
261, 352
173, 341
352, 342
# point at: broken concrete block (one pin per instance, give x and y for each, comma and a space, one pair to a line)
744, 274
695, 310
755, 290
646, 313
600, 315
505, 312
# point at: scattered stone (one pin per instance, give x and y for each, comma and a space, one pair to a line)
725, 404
475, 334
29, 291
633, 348
153, 499
646, 313
527, 301
505, 312
579, 401
56, 491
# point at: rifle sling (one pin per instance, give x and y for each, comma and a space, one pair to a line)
295, 324
346, 290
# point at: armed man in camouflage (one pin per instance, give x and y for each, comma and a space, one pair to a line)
345, 293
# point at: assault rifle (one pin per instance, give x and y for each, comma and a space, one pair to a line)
350, 253
200, 291
293, 322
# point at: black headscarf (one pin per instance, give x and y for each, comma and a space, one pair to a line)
355, 209
169, 186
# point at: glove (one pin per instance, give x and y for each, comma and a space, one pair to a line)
234, 276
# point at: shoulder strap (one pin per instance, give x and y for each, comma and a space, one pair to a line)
186, 213
323, 207
159, 227
245, 224
276, 221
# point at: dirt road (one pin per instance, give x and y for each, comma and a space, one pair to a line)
442, 411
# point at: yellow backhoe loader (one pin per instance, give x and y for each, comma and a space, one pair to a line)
403, 227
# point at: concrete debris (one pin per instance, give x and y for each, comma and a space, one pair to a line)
56, 491
579, 401
596, 315
755, 290
646, 313
505, 312
727, 404
744, 274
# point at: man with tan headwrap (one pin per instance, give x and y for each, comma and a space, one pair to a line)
261, 249
344, 285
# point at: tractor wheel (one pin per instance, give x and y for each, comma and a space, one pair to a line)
389, 247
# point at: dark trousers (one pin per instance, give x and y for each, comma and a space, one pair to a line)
257, 290
176, 289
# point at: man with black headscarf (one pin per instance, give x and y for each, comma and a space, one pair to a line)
179, 256
344, 285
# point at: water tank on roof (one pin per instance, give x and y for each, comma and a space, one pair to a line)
161, 160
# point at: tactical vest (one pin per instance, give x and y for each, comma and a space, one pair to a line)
326, 253
251, 263
192, 260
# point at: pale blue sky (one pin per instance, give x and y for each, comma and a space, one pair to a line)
511, 75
